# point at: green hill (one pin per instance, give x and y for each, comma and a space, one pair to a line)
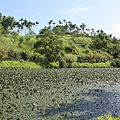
64, 43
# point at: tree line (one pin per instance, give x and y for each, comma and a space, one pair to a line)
10, 25
51, 44
100, 39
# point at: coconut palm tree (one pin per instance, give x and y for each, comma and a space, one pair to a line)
60, 22
92, 32
25, 24
82, 26
33, 25
36, 23
50, 22
21, 24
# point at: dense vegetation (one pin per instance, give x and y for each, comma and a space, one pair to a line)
59, 94
64, 42
44, 93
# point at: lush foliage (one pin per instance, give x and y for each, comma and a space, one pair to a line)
92, 65
10, 25
64, 41
48, 45
18, 64
116, 63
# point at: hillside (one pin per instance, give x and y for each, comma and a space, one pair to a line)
64, 42
79, 50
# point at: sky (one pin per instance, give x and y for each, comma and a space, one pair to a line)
97, 14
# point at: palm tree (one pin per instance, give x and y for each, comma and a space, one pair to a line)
64, 20
7, 23
72, 27
4, 17
25, 23
33, 24
92, 32
53, 24
50, 22
10, 22
21, 24
101, 34
29, 25
16, 26
36, 26
60, 22
82, 26
98, 31
110, 35
87, 31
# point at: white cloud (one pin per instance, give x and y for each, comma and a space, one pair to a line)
116, 29
73, 11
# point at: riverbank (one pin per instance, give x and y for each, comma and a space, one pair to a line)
26, 64
18, 64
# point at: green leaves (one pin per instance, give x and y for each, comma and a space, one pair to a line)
48, 45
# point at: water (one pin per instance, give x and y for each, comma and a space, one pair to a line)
52, 94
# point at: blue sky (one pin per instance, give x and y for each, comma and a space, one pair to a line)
97, 14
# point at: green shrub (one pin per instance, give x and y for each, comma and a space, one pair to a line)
54, 65
13, 55
69, 58
17, 64
113, 64
116, 63
62, 64
90, 65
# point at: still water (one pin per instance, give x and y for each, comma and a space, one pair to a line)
58, 94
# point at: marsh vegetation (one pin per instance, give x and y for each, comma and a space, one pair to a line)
40, 94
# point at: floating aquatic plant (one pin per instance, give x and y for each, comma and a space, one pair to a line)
84, 93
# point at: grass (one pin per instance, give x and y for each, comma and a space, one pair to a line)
108, 117
25, 64
91, 65
17, 64
81, 65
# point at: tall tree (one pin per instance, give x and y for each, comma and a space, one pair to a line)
36, 26
21, 24
48, 45
82, 26
7, 23
25, 24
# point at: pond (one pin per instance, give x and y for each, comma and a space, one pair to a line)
58, 94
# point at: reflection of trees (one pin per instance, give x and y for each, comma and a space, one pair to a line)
102, 102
